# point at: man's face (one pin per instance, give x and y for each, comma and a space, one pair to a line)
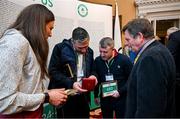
134, 43
81, 46
106, 53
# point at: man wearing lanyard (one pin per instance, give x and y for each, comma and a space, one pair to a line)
112, 70
151, 85
71, 61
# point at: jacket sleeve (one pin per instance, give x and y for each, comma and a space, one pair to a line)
94, 72
173, 45
58, 78
12, 62
126, 72
151, 87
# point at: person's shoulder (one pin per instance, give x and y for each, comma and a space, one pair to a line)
175, 35
98, 60
122, 57
63, 43
156, 50
177, 32
90, 50
16, 44
15, 39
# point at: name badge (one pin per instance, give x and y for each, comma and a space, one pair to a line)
109, 77
108, 88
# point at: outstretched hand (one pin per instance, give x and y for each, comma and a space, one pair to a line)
77, 86
57, 96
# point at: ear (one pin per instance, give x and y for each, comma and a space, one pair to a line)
140, 37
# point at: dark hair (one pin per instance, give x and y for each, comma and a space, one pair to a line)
106, 42
32, 23
79, 34
139, 25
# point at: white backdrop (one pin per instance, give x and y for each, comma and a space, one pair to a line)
96, 19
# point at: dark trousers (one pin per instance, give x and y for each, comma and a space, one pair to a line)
110, 105
75, 107
177, 99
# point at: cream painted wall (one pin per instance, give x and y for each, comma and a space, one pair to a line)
126, 8
128, 11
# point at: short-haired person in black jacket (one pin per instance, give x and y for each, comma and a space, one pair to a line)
151, 84
112, 64
72, 60
174, 46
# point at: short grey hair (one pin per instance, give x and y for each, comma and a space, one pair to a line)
171, 30
106, 42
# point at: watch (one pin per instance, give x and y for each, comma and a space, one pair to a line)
46, 100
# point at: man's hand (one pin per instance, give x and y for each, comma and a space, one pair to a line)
94, 77
77, 86
116, 94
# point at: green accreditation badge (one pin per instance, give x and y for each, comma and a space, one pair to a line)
108, 88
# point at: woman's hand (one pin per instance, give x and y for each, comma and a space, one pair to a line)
57, 96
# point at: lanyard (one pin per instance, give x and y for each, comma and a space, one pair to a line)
141, 51
108, 65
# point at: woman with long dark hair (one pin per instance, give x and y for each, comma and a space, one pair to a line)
23, 73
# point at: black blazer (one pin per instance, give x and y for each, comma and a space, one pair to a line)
174, 47
151, 85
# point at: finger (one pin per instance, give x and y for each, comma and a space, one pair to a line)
113, 93
62, 101
78, 84
65, 97
61, 89
82, 90
62, 92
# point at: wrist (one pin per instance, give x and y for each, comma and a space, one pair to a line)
46, 99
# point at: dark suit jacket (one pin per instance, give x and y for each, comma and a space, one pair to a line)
174, 47
151, 85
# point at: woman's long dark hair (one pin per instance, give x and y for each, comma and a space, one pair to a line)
32, 23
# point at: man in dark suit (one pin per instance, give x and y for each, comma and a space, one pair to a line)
174, 47
151, 86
